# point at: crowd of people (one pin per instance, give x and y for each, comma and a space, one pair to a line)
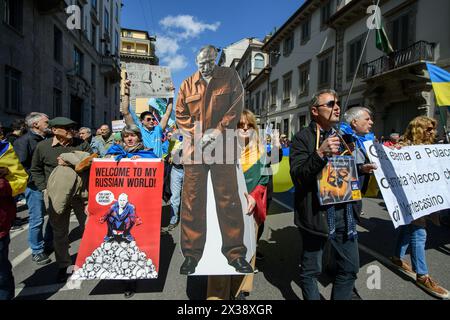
48, 162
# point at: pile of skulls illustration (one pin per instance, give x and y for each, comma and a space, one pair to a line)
113, 260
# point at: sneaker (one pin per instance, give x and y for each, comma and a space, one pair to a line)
403, 267
40, 259
431, 286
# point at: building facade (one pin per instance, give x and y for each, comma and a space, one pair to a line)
319, 47
137, 49
60, 58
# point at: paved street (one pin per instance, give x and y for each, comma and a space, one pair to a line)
277, 278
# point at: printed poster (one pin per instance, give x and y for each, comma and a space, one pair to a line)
149, 81
338, 181
122, 235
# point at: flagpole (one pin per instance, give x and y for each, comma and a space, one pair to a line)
357, 68
444, 127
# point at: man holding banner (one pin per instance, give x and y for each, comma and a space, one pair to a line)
312, 149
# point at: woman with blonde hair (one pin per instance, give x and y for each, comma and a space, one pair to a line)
421, 130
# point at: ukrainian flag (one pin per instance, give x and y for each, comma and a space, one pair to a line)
440, 79
17, 176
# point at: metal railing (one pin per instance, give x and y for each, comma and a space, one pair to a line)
419, 51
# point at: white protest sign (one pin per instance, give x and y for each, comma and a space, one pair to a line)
414, 180
149, 81
117, 125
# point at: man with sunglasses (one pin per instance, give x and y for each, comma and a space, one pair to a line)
46, 157
152, 132
309, 153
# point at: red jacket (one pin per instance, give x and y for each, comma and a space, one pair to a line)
7, 208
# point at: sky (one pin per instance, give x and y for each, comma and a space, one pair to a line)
183, 27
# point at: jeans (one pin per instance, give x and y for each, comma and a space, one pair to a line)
6, 276
416, 236
176, 184
36, 211
347, 262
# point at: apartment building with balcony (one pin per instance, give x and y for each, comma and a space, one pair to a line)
137, 49
46, 66
319, 47
397, 85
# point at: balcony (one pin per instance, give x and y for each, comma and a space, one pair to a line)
110, 68
419, 52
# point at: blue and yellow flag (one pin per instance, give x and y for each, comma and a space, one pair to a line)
17, 176
440, 79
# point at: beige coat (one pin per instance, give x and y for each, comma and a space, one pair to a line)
64, 183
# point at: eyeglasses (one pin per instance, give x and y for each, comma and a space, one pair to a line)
249, 126
430, 129
330, 104
149, 119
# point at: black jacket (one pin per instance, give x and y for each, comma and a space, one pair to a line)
24, 148
305, 165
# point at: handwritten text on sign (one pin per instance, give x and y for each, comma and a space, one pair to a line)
414, 180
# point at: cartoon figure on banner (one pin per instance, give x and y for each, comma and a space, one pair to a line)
121, 218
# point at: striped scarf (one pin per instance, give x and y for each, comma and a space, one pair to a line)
349, 219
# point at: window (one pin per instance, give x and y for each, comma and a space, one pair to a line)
57, 44
116, 96
274, 56
286, 127
354, 50
288, 45
93, 75
116, 42
263, 99
106, 21
303, 74
81, 14
287, 86
78, 62
259, 61
252, 104
13, 13
117, 13
94, 35
400, 32
105, 86
306, 31
302, 122
93, 116
273, 93
94, 4
13, 89
57, 102
257, 105
325, 13
325, 70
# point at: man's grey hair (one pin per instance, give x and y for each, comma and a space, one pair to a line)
209, 47
131, 129
33, 117
315, 99
88, 130
355, 113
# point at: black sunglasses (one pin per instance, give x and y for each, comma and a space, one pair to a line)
149, 119
330, 104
